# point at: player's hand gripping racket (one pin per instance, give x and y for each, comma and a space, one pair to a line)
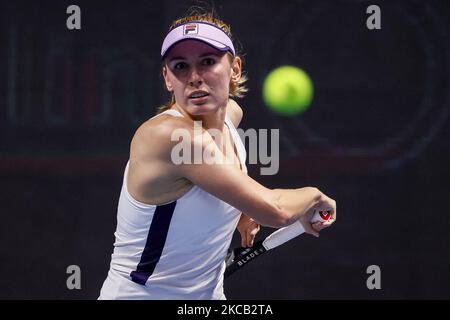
239, 257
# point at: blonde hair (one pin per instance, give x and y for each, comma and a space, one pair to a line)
237, 89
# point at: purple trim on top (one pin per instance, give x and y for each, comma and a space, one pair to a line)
154, 245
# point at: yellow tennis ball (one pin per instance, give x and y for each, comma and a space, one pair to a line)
288, 90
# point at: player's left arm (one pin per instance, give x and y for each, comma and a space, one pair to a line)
235, 112
248, 228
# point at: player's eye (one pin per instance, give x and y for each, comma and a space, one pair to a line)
180, 66
208, 61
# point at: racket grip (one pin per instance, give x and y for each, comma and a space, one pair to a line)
285, 234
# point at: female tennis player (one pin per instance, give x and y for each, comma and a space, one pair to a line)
175, 218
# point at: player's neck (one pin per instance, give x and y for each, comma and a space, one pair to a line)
211, 120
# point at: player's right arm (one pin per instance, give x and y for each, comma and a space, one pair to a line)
274, 208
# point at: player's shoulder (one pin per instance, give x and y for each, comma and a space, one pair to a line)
235, 112
157, 132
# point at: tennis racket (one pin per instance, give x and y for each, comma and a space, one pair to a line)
239, 257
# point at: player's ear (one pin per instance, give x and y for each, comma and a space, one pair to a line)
166, 79
236, 69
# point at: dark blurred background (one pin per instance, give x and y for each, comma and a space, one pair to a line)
376, 139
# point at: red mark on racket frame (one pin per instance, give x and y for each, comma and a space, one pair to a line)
325, 215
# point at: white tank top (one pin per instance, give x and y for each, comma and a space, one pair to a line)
172, 251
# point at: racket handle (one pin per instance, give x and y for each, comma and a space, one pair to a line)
282, 235
287, 233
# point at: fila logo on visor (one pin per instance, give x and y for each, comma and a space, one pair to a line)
190, 29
